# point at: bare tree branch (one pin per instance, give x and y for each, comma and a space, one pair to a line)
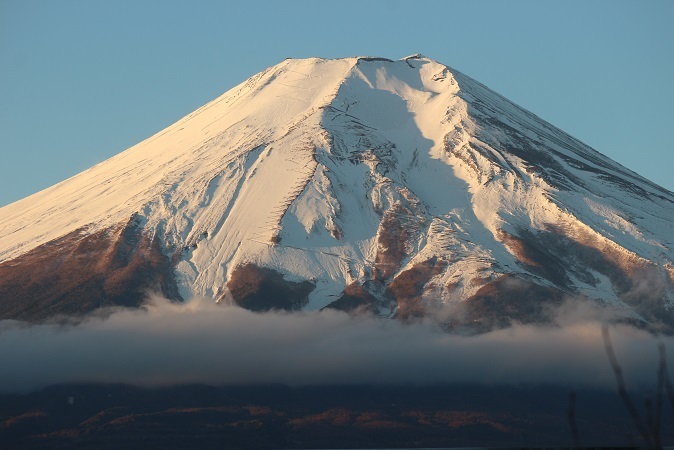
622, 390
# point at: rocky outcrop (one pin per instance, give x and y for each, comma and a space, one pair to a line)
356, 299
82, 272
262, 289
408, 288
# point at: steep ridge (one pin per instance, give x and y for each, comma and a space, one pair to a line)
402, 188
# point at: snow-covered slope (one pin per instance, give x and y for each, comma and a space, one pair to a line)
402, 186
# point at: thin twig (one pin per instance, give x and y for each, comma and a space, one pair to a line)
622, 390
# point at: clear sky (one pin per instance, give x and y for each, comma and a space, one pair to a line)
82, 80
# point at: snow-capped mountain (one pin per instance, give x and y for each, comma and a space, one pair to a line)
401, 187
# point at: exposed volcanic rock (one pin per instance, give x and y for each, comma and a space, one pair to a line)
356, 298
81, 272
261, 289
398, 231
408, 288
564, 258
508, 300
391, 248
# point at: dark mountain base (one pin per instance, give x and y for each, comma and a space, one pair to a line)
115, 416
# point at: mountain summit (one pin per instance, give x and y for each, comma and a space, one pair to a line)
403, 188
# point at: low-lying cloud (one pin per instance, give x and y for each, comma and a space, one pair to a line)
200, 342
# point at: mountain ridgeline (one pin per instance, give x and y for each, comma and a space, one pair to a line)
398, 188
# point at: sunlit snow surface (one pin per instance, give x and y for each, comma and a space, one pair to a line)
314, 152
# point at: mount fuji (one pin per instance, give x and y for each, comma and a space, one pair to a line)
401, 188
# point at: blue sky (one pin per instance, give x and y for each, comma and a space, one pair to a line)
82, 80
